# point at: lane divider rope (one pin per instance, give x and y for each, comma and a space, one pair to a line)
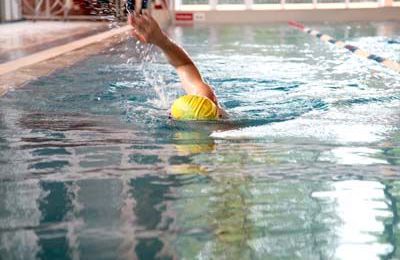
354, 49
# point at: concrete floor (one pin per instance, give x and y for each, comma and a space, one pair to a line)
23, 38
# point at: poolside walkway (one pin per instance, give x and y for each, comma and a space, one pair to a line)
23, 38
29, 50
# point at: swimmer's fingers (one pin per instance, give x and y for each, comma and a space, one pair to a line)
149, 18
146, 16
135, 22
131, 20
146, 12
150, 21
144, 20
138, 36
141, 23
151, 26
138, 28
146, 29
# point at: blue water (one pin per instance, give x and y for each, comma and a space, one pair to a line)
306, 167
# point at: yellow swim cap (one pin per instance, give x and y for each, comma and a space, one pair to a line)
192, 107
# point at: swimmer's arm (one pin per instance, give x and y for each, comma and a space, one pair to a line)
189, 74
147, 30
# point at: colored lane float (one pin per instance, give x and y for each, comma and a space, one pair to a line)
354, 49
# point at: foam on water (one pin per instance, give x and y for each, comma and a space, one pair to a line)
303, 129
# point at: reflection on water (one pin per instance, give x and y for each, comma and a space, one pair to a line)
207, 217
354, 201
306, 168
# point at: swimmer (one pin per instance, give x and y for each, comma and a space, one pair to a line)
200, 102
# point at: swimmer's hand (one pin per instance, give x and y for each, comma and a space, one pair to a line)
146, 29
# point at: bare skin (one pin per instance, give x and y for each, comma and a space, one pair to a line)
147, 30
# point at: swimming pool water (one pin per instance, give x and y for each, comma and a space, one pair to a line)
307, 166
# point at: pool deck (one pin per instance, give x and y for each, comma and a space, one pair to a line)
23, 38
16, 73
33, 49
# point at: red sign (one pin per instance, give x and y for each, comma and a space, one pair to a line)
184, 16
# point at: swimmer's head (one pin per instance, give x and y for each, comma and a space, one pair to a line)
192, 107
